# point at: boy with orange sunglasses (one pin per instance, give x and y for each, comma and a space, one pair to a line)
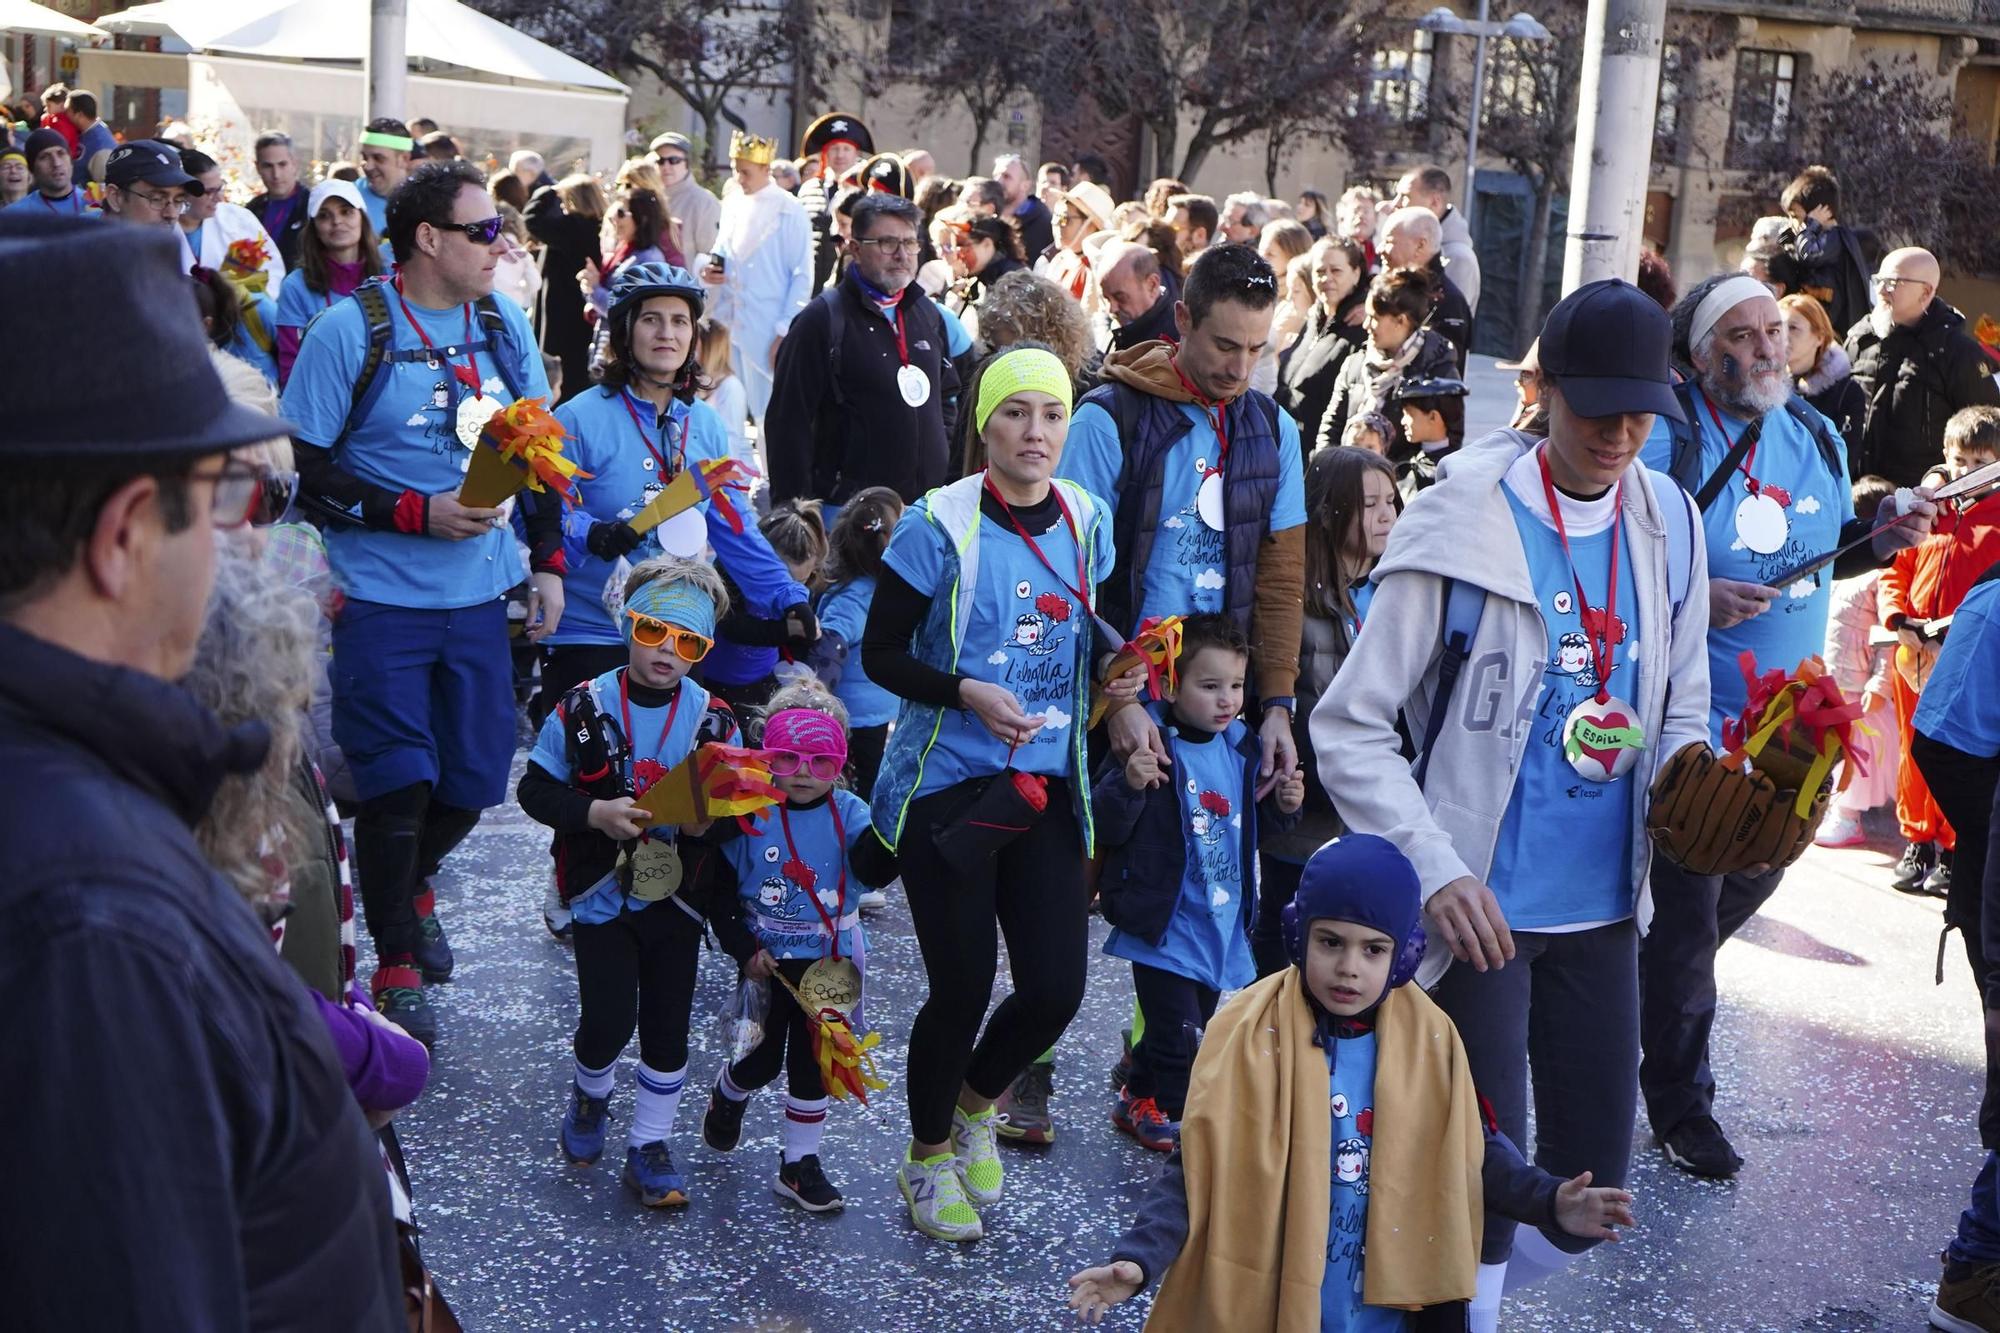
637, 934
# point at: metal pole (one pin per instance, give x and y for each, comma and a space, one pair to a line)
1472, 121
1614, 143
388, 67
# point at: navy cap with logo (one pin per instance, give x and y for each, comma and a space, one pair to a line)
150, 161
135, 377
1607, 345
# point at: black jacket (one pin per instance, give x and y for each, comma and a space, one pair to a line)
1309, 367
1450, 315
830, 438
1915, 379
1839, 399
567, 240
223, 1177
295, 226
1832, 265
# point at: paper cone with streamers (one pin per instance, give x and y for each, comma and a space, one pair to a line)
846, 1061
1157, 646
243, 263
520, 446
715, 781
1793, 727
712, 479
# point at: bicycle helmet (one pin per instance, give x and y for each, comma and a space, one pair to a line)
640, 281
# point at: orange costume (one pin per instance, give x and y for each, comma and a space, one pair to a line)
1926, 582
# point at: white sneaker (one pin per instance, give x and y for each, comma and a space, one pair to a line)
1840, 830
974, 1145
873, 900
937, 1198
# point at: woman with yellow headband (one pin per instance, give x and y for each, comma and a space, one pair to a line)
982, 623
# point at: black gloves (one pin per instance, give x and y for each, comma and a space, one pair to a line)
801, 627
609, 541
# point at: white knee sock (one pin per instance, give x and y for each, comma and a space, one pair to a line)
1534, 1259
1483, 1316
595, 1082
727, 1086
658, 1101
805, 1120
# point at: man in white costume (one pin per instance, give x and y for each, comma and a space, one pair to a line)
761, 266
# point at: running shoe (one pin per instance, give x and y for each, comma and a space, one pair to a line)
1142, 1118
872, 901
583, 1127
398, 991
723, 1125
1840, 830
650, 1170
1914, 867
433, 951
1968, 1302
1022, 1113
1937, 884
936, 1197
1698, 1146
805, 1184
972, 1143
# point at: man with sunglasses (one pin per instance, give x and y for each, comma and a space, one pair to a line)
389, 390
145, 183
222, 1166
866, 394
698, 211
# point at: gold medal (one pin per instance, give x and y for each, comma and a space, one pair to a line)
832, 983
473, 414
656, 869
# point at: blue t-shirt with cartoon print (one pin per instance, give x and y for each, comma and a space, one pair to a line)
790, 859
1021, 635
1351, 1103
1565, 848
1753, 543
1206, 939
662, 736
1188, 566
408, 441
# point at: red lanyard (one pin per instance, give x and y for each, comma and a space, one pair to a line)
625, 715
1082, 570
812, 877
1750, 482
902, 347
667, 470
467, 374
1218, 419
1600, 627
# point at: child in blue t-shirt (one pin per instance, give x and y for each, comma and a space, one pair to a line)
854, 563
1178, 832
799, 871
636, 934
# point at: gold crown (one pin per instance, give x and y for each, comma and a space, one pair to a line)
751, 148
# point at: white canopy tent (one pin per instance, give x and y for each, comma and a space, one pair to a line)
296, 65
39, 20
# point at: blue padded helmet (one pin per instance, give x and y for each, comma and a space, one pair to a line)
1363, 878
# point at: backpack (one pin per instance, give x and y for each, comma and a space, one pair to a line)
1685, 462
381, 328
1464, 603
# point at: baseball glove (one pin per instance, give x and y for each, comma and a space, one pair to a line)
1711, 819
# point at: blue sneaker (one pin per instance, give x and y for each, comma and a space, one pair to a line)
583, 1127
650, 1169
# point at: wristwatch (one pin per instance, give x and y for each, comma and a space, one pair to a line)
1284, 701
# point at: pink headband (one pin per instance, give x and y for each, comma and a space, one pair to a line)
805, 731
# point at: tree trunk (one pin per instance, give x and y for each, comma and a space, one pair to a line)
1528, 312
1166, 136
713, 152
1274, 151
1197, 154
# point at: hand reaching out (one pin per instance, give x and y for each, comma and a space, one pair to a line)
1591, 1213
1094, 1291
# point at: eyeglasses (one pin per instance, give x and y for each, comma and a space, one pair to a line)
785, 764
1891, 284
650, 633
167, 204
248, 494
485, 231
891, 245
666, 161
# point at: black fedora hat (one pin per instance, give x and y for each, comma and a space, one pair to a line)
132, 376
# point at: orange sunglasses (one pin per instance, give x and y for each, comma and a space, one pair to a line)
650, 633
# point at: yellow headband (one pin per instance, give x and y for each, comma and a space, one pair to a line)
1025, 369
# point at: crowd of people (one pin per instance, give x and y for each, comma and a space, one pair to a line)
1053, 554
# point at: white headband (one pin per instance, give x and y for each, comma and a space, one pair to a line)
1728, 294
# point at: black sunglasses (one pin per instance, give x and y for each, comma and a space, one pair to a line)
672, 161
485, 232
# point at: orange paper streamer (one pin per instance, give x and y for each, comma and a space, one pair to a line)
1157, 646
714, 782
846, 1062
520, 446
711, 479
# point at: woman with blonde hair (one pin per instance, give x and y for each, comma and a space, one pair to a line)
1820, 368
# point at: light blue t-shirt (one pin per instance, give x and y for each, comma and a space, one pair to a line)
1351, 1103
378, 209
1564, 856
777, 877
661, 738
625, 474
1960, 705
844, 611
1022, 635
957, 340
298, 303
75, 204
409, 441
1188, 567
245, 345
1816, 504
1207, 937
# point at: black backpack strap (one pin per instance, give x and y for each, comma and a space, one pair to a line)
368, 384
1720, 477
1823, 435
1684, 462
1458, 623
597, 752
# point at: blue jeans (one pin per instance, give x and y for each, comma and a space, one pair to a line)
1978, 1238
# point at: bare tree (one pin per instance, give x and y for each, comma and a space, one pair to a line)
987, 55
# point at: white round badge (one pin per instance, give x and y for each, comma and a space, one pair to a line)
1602, 740
685, 534
473, 414
914, 385
1208, 501
1761, 524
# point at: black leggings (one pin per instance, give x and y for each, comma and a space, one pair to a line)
864, 757
636, 970
1034, 888
1279, 881
1177, 1008
400, 840
788, 1037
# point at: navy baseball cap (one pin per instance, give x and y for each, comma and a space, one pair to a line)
1607, 345
150, 161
